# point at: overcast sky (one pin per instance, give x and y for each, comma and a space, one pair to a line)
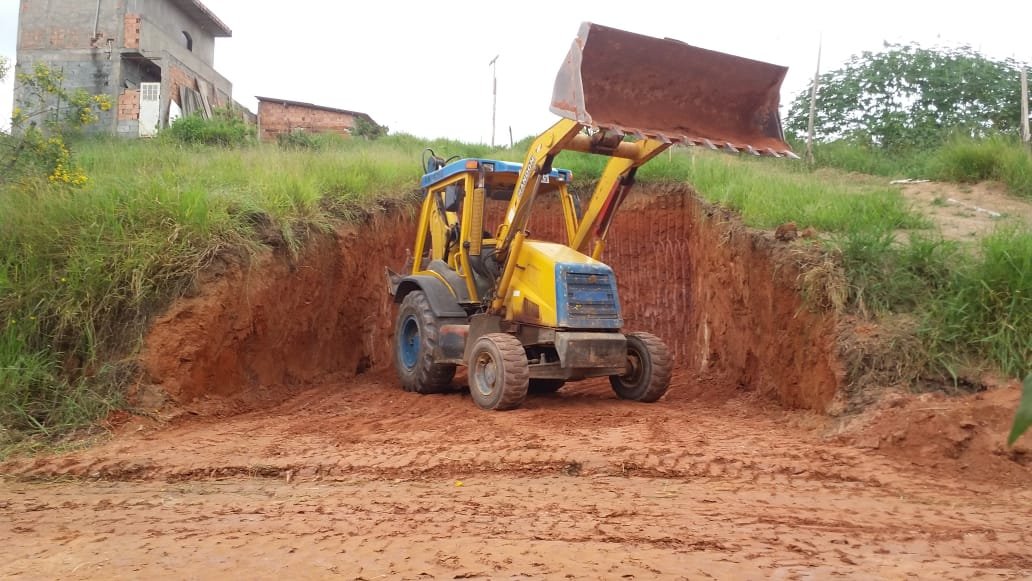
422, 67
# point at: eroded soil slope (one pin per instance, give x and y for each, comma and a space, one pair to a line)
724, 297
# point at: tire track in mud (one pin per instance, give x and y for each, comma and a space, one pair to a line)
594, 526
374, 430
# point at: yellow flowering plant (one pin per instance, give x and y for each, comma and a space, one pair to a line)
45, 112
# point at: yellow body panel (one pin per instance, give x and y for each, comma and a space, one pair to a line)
532, 295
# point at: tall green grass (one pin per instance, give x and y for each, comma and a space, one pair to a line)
961, 159
998, 159
851, 156
768, 193
984, 312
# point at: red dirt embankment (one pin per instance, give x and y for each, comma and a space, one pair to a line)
724, 297
282, 321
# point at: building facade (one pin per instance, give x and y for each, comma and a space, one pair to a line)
277, 116
153, 58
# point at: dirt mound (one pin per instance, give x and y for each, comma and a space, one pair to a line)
950, 435
726, 299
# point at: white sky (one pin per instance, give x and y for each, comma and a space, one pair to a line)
422, 67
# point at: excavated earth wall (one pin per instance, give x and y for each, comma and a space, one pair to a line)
725, 298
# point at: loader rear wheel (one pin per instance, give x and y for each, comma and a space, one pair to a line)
649, 365
415, 338
545, 386
499, 374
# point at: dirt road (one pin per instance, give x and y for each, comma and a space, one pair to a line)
360, 480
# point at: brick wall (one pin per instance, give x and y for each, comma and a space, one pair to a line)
275, 118
132, 31
180, 77
129, 105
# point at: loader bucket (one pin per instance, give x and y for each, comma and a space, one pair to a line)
667, 89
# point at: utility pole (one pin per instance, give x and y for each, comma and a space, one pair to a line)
1024, 106
813, 104
494, 96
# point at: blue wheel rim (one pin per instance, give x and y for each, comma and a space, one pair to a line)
408, 342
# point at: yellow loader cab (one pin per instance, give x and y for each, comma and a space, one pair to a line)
528, 315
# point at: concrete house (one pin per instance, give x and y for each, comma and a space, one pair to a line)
276, 116
152, 57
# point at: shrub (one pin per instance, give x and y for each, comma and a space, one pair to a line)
368, 129
300, 139
297, 140
224, 129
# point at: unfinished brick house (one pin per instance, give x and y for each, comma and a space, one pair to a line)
276, 116
152, 57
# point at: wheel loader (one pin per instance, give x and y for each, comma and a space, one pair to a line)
524, 314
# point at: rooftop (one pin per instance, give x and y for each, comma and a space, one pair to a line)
314, 106
205, 17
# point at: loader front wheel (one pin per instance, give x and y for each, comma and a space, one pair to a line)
415, 338
498, 372
649, 366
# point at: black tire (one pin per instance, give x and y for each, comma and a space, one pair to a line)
649, 366
416, 332
499, 374
545, 386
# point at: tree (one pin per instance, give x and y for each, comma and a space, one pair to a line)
907, 96
3, 67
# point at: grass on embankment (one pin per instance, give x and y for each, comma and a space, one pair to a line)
958, 160
82, 270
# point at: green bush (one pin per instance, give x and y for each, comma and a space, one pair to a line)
224, 129
297, 140
368, 129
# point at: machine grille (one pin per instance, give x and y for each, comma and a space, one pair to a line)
590, 297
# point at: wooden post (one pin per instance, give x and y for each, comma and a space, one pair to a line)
813, 104
1024, 106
